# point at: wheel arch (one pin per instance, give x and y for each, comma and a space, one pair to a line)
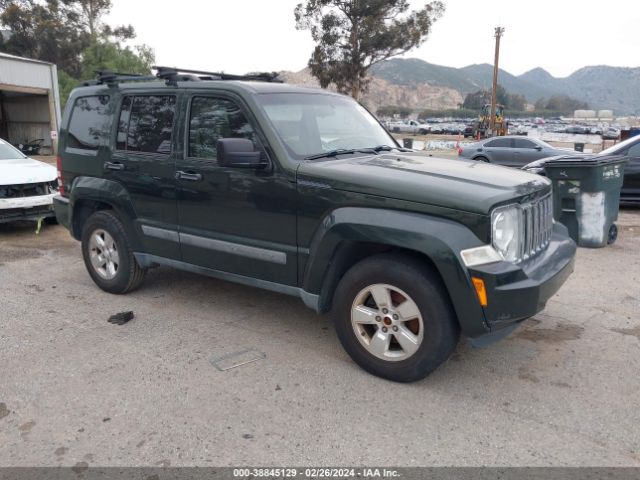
90, 195
349, 235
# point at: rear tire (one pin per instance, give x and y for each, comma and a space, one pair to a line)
482, 159
108, 255
403, 334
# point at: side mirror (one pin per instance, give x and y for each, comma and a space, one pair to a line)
238, 153
539, 148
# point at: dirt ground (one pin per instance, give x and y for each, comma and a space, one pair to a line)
77, 390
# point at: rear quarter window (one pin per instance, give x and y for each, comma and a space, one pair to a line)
89, 123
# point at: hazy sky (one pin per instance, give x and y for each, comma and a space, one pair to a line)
238, 36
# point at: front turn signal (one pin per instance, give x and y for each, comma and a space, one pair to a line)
481, 291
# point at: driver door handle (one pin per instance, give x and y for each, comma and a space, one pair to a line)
113, 166
188, 176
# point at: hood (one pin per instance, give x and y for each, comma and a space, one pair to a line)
459, 184
25, 170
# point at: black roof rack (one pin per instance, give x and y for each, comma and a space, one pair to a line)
173, 75
109, 77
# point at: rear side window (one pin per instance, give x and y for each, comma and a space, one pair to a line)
499, 142
212, 119
89, 122
146, 124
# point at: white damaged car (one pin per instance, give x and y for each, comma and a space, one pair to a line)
27, 186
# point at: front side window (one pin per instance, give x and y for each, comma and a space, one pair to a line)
146, 124
523, 143
634, 151
212, 119
311, 124
89, 122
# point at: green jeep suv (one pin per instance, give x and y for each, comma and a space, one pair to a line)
302, 191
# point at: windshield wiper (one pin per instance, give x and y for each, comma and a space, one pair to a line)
340, 151
387, 148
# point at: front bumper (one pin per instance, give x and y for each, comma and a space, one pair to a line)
516, 292
26, 208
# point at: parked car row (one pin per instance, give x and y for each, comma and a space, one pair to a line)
516, 127
419, 128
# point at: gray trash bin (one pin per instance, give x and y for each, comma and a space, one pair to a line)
407, 142
586, 197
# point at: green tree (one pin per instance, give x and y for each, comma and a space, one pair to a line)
391, 110
71, 34
353, 35
564, 103
476, 100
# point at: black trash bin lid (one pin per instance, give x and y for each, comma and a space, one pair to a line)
582, 161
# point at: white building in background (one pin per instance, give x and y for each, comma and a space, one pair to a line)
29, 101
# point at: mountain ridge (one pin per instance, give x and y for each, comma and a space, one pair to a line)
601, 86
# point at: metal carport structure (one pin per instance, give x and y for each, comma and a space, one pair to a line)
29, 101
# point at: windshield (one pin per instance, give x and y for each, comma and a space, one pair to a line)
619, 147
312, 124
8, 152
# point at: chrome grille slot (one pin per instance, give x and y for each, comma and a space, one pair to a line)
537, 218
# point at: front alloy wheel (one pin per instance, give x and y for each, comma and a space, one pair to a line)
387, 322
394, 318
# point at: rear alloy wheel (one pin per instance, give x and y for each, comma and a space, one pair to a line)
103, 252
394, 318
108, 255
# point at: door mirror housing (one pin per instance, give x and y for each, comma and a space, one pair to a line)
238, 153
539, 148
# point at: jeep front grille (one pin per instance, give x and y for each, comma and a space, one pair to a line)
538, 223
28, 189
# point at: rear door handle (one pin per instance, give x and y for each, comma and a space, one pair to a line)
188, 176
113, 166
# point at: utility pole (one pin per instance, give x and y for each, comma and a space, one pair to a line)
498, 33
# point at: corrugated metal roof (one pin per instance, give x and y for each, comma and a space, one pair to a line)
23, 59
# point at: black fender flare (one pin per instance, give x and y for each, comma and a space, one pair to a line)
108, 192
439, 239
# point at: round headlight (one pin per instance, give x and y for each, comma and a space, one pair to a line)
506, 232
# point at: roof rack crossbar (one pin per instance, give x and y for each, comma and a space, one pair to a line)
110, 78
170, 72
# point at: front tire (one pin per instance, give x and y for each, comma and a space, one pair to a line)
394, 318
108, 255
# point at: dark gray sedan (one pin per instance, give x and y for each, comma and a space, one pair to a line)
511, 151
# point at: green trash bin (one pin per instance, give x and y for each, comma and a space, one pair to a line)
586, 197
